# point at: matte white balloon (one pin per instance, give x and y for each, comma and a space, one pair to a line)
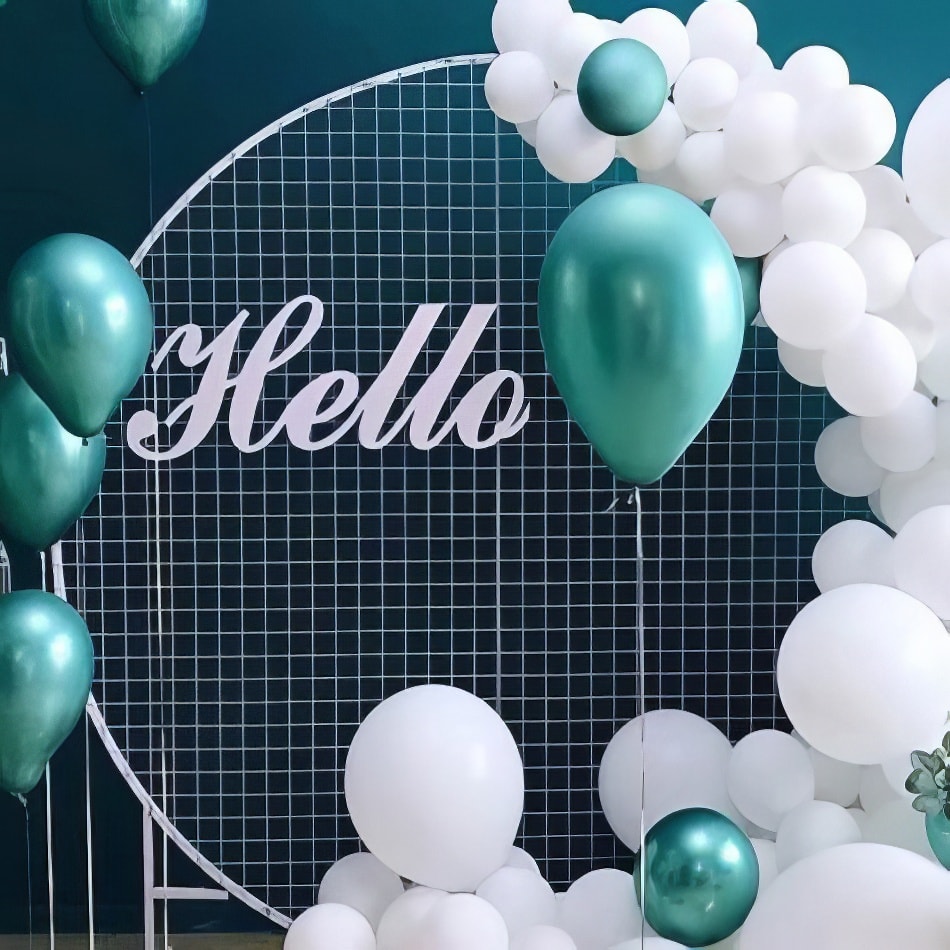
571, 41
600, 909
814, 71
363, 882
704, 93
862, 671
820, 204
876, 791
519, 858
435, 786
922, 559
664, 33
670, 742
835, 781
853, 552
887, 262
910, 227
768, 867
658, 144
813, 827
842, 462
518, 87
930, 282
904, 494
463, 922
522, 897
750, 218
852, 128
543, 938
330, 927
701, 162
871, 370
802, 365
886, 197
943, 430
924, 160
568, 146
402, 926
813, 295
934, 369
526, 24
724, 30
769, 774
764, 138
904, 440
921, 332
898, 825
859, 895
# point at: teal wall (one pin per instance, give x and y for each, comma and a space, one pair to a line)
74, 157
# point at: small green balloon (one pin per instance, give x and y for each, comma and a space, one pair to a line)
641, 316
48, 476
750, 272
79, 325
700, 877
622, 87
46, 666
145, 37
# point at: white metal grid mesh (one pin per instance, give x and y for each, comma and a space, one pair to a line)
250, 609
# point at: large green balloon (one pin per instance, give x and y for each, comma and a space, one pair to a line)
80, 326
700, 877
46, 665
642, 319
48, 476
145, 37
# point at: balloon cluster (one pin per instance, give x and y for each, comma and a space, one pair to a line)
78, 329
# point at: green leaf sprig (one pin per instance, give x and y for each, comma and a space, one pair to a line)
930, 780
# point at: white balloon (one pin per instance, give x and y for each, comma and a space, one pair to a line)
571, 41
853, 552
861, 672
852, 128
930, 282
568, 146
934, 369
363, 882
842, 462
924, 160
886, 197
543, 938
704, 93
813, 827
769, 774
668, 177
463, 922
910, 227
330, 927
802, 365
600, 909
898, 825
403, 923
858, 895
663, 32
521, 896
761, 63
750, 218
764, 138
904, 440
835, 781
876, 791
813, 72
887, 262
768, 866
904, 494
529, 132
922, 559
526, 24
820, 204
519, 858
813, 295
778, 249
920, 331
701, 163
943, 430
859, 815
871, 370
669, 741
518, 86
724, 30
658, 144
435, 786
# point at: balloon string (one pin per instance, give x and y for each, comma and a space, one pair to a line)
641, 688
148, 139
49, 861
29, 869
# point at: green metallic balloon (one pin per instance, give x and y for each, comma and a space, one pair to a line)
750, 272
79, 325
622, 87
700, 877
48, 476
641, 314
145, 37
46, 665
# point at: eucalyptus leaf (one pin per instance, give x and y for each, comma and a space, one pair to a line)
946, 743
921, 782
927, 805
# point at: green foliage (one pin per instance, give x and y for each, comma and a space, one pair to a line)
930, 780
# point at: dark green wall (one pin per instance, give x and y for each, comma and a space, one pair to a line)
74, 157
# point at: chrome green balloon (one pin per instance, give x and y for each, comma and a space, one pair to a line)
641, 313
700, 877
145, 37
79, 325
48, 476
622, 87
750, 272
46, 665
